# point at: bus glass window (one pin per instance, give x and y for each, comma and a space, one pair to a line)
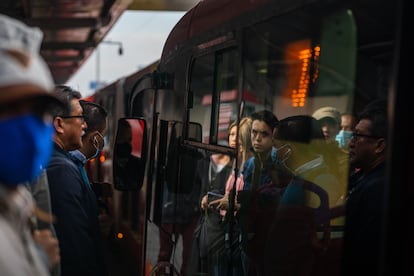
129, 154
214, 80
294, 67
202, 75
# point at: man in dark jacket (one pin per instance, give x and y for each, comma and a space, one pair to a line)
364, 205
72, 205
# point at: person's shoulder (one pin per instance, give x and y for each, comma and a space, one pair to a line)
375, 179
249, 162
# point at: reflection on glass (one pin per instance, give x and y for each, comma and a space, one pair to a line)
128, 167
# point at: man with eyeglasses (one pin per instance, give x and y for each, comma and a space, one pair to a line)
364, 203
75, 224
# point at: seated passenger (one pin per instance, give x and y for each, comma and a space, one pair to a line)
299, 231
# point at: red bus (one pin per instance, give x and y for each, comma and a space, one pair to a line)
226, 59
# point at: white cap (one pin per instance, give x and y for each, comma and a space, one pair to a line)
327, 112
20, 61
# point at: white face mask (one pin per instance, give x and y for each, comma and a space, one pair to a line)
97, 146
343, 138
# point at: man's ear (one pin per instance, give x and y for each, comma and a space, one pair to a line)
58, 125
381, 145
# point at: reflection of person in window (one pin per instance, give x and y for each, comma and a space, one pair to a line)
126, 166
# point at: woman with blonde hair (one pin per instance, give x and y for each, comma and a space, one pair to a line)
234, 261
243, 154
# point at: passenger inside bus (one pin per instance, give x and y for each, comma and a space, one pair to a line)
348, 122
299, 237
233, 186
336, 158
365, 200
211, 175
260, 191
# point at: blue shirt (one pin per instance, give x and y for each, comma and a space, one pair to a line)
265, 176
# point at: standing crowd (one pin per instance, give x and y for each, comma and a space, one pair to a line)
48, 134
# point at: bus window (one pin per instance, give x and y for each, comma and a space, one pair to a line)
182, 162
214, 86
296, 68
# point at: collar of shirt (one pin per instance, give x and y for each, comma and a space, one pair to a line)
77, 156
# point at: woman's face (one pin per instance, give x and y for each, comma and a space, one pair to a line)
233, 136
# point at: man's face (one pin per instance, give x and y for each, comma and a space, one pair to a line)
329, 128
74, 127
347, 122
362, 148
261, 136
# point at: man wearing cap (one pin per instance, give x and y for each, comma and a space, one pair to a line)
337, 159
26, 139
330, 120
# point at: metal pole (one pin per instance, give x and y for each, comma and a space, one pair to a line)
98, 59
98, 66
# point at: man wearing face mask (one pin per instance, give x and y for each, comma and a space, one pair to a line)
93, 140
329, 119
92, 144
348, 122
26, 136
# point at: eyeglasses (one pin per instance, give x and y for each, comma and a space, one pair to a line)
356, 136
74, 116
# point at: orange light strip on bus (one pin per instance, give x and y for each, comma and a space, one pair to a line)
299, 95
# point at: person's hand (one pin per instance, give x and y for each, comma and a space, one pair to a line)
204, 202
49, 244
220, 204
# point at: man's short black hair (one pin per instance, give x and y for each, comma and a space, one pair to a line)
66, 94
95, 116
266, 116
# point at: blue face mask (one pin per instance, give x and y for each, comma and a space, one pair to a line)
26, 148
343, 138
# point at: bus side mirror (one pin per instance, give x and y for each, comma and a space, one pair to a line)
129, 157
